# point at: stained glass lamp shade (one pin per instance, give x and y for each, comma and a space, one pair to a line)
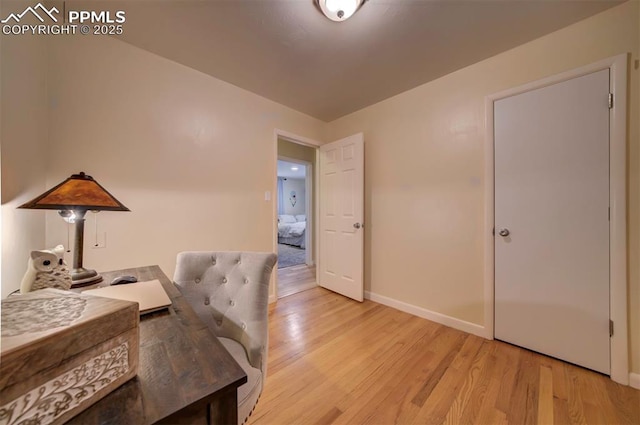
78, 194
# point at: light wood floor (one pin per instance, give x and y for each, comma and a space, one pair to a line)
294, 279
336, 361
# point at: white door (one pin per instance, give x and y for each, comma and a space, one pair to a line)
551, 220
341, 216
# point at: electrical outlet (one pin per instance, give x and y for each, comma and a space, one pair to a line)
101, 241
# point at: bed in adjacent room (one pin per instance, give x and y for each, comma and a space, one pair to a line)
291, 229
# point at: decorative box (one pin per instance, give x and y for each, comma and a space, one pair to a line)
61, 352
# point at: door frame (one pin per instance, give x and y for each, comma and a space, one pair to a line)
308, 188
617, 200
304, 141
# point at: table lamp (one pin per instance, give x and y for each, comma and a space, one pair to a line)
74, 197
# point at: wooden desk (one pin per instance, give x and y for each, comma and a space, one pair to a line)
185, 375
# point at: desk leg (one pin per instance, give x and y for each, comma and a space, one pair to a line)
223, 409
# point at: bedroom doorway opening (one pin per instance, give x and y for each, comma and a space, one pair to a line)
295, 197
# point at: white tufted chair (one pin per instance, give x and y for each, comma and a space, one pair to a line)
229, 291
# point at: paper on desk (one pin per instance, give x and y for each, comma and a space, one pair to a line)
150, 295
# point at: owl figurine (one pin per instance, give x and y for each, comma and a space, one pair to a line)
46, 269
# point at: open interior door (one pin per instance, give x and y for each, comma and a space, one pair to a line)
342, 216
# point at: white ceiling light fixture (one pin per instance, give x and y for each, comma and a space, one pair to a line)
294, 168
339, 10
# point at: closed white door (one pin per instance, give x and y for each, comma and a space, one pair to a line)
341, 216
551, 220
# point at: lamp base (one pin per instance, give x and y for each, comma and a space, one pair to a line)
84, 277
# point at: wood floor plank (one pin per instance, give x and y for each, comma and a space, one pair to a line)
428, 387
545, 397
485, 388
487, 412
625, 402
509, 357
289, 345
321, 358
358, 346
394, 401
561, 412
471, 383
335, 361
371, 379
294, 279
436, 407
523, 407
574, 396
388, 390
330, 416
560, 395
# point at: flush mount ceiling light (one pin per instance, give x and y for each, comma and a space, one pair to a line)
339, 10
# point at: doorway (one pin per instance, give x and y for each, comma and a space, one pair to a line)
295, 203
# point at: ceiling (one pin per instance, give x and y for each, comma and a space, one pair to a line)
286, 169
287, 51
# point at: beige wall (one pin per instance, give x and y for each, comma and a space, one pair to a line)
23, 151
187, 153
424, 165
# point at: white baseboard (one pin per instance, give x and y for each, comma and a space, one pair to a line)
443, 319
272, 299
634, 380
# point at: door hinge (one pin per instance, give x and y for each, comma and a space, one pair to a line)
610, 100
610, 328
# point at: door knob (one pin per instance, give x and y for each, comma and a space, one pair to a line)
357, 225
504, 232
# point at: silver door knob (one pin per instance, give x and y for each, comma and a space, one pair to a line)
357, 225
504, 232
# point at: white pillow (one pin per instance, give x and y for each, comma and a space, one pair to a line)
286, 218
301, 217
